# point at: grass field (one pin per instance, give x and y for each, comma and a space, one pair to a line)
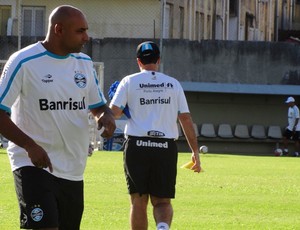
234, 192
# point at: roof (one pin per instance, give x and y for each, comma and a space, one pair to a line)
240, 88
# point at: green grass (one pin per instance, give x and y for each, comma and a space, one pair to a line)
234, 192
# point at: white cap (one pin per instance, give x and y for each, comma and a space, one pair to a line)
290, 99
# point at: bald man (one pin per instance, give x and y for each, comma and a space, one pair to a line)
48, 88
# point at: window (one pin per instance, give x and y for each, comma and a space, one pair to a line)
5, 14
208, 26
168, 21
202, 23
197, 26
181, 22
33, 19
233, 8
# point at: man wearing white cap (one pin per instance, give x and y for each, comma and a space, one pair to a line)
292, 131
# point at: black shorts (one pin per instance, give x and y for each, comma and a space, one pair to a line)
47, 201
150, 166
291, 135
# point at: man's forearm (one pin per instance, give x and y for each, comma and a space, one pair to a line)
10, 131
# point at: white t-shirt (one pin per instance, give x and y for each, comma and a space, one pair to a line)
293, 114
49, 97
154, 100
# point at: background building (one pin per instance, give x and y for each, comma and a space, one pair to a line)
226, 53
255, 20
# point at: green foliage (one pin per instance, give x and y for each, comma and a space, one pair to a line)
234, 192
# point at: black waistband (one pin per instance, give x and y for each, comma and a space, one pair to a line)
151, 138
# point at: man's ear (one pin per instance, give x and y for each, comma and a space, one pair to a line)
140, 64
58, 28
158, 61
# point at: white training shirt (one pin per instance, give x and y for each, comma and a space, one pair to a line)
154, 100
49, 97
293, 114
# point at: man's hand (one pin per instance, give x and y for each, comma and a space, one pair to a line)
105, 118
39, 157
36, 153
197, 164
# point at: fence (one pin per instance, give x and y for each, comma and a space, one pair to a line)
95, 139
2, 63
23, 22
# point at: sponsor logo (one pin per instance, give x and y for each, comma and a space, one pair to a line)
162, 85
37, 214
45, 104
152, 144
154, 133
155, 88
159, 100
80, 80
47, 78
153, 76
